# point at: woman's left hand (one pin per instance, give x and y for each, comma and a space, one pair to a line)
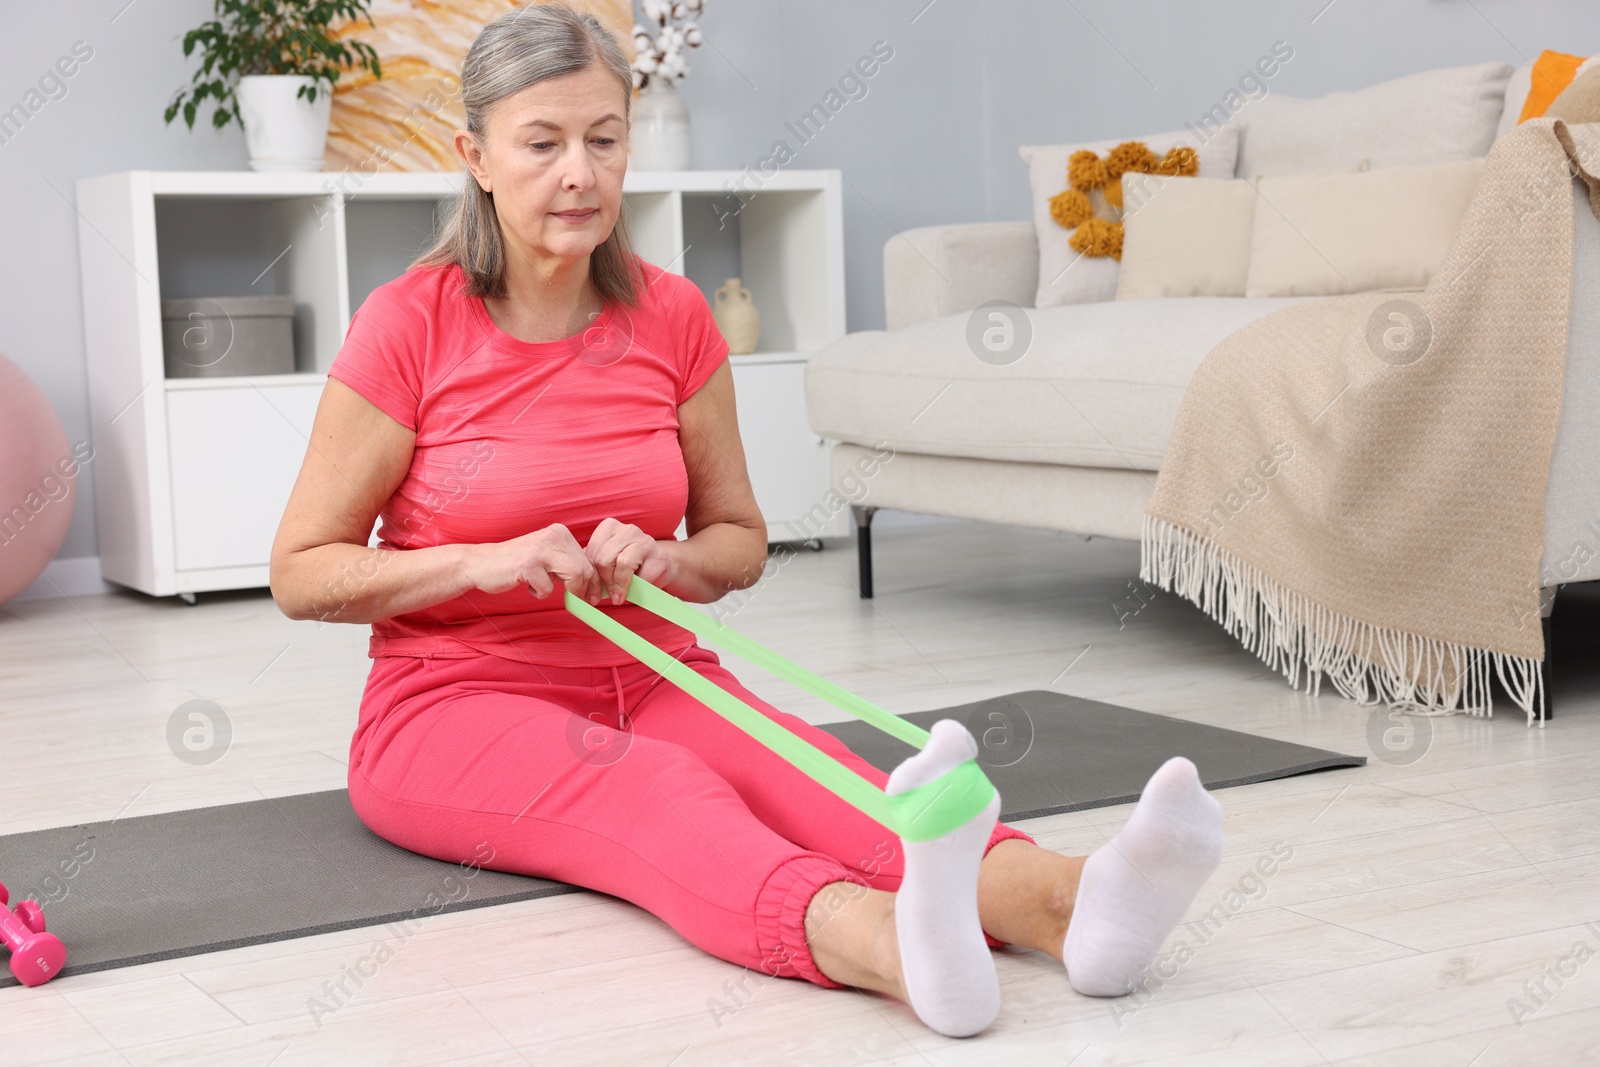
620, 550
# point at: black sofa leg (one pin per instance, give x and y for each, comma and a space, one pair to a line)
1546, 669
863, 515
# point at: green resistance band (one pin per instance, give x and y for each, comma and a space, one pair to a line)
928, 811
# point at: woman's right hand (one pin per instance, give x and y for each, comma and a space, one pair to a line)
537, 560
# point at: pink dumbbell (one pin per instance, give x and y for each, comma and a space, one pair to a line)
36, 957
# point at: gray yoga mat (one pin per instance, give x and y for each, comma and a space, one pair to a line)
155, 887
1048, 752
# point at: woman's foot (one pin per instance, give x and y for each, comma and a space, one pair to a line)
1136, 887
946, 968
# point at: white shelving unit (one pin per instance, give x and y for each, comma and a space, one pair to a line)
192, 474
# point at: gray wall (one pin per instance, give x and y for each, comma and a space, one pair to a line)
934, 139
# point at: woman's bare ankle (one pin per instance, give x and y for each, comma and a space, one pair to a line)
851, 932
1026, 894
886, 953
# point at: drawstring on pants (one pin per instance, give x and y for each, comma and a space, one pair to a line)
616, 682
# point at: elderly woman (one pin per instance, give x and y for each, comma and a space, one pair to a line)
532, 409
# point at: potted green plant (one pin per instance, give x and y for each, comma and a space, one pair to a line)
262, 62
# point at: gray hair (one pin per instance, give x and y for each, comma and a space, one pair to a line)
534, 42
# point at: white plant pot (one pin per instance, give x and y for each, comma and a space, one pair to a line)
282, 130
658, 137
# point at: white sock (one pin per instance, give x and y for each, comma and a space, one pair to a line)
949, 972
1137, 886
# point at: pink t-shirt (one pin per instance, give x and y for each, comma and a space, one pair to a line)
514, 436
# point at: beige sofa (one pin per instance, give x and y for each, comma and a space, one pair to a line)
1070, 436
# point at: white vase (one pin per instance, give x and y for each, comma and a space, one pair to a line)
282, 130
659, 136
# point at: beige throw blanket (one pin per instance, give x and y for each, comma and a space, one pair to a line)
1355, 486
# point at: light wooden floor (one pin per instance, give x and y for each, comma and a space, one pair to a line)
1419, 898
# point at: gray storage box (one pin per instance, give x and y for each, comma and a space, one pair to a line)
226, 336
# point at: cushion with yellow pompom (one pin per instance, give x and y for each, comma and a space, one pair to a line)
1087, 211
1087, 173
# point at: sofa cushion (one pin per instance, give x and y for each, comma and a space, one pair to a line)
1436, 116
1325, 234
1191, 238
1516, 95
1098, 385
1552, 73
1580, 101
1065, 277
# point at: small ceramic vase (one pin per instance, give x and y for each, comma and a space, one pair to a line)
737, 317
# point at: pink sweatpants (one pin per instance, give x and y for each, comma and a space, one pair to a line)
614, 779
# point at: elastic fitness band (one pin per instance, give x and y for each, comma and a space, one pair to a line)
928, 811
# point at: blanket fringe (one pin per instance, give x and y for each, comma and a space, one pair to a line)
1293, 634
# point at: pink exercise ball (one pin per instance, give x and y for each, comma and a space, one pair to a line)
38, 481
